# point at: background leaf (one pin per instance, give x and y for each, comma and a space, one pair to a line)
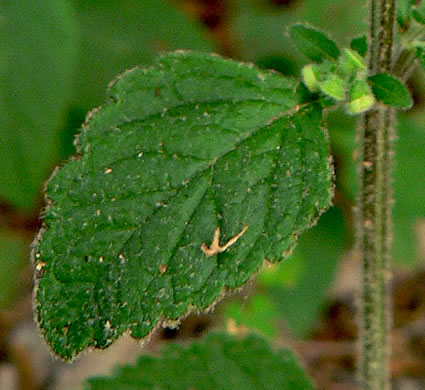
195, 143
318, 256
36, 68
220, 362
408, 170
259, 313
121, 34
409, 191
261, 29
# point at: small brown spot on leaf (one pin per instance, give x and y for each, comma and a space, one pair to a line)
162, 268
157, 91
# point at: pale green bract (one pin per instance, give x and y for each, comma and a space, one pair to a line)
192, 144
220, 362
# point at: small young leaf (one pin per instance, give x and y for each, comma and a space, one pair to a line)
220, 362
314, 44
361, 98
359, 45
391, 91
309, 77
313, 74
334, 87
351, 62
196, 171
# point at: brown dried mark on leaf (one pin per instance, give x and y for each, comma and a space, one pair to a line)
215, 246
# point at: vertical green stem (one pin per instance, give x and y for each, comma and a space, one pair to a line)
375, 135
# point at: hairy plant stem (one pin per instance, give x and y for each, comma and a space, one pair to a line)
375, 133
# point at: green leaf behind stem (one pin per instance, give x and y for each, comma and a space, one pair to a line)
409, 207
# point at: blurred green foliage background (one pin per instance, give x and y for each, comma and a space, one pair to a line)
56, 60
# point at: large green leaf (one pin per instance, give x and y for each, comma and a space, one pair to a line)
220, 362
120, 34
37, 48
196, 171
